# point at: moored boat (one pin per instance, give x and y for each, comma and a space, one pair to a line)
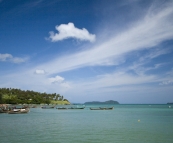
61, 108
34, 106
3, 111
106, 108
4, 108
47, 107
76, 108
95, 109
102, 108
19, 111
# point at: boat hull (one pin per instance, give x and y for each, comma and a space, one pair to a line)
61, 108
20, 111
48, 107
102, 108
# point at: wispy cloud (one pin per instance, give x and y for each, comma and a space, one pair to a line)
150, 31
10, 58
140, 65
70, 31
168, 82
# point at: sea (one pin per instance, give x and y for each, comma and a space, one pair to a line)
124, 124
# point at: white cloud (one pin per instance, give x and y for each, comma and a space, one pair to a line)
65, 84
55, 79
10, 58
59, 81
40, 71
70, 31
4, 57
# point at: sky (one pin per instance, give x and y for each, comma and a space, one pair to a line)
89, 50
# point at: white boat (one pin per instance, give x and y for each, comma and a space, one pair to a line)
19, 111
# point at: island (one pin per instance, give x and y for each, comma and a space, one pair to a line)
170, 103
106, 102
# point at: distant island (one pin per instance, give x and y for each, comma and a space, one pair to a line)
106, 102
170, 103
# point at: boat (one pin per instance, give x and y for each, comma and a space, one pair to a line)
70, 108
19, 111
3, 110
102, 108
106, 108
34, 106
61, 108
47, 107
95, 109
76, 108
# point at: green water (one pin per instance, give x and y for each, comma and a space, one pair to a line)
124, 124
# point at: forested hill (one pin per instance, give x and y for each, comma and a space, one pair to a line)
18, 96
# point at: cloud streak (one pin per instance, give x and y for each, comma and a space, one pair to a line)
10, 58
150, 31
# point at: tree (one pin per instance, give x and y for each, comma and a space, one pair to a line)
17, 96
1, 98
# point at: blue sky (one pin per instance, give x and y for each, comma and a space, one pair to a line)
89, 50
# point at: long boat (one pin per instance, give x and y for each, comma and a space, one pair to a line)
47, 107
106, 108
95, 109
61, 108
102, 108
19, 111
76, 108
64, 108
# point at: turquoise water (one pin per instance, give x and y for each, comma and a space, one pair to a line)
124, 124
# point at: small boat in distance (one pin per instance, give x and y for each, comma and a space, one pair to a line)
61, 108
47, 107
106, 108
102, 108
76, 108
95, 109
34, 106
70, 108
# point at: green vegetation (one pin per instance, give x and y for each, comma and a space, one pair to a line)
17, 96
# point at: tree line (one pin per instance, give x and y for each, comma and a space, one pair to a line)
18, 96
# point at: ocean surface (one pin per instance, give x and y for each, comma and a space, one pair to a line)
124, 124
